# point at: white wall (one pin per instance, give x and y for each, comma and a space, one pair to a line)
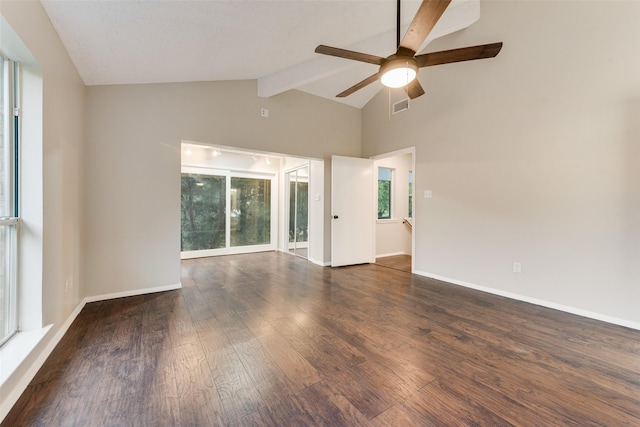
133, 163
533, 157
52, 182
197, 155
317, 231
392, 236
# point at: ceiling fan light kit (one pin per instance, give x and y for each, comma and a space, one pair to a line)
401, 69
398, 72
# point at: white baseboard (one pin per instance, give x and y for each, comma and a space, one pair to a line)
12, 397
132, 293
7, 402
391, 254
543, 303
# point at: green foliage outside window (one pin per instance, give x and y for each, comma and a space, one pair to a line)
203, 212
250, 211
302, 211
384, 193
204, 215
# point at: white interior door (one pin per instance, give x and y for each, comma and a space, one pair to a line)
352, 206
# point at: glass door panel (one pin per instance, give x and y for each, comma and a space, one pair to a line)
292, 211
299, 211
203, 212
250, 216
302, 212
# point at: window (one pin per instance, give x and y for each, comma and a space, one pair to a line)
410, 215
203, 212
225, 212
8, 198
250, 211
384, 193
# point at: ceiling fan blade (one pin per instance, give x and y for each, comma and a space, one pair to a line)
414, 89
358, 86
457, 55
349, 54
426, 17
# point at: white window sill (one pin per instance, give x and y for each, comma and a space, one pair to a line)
17, 349
388, 221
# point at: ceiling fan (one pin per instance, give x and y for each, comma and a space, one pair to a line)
401, 68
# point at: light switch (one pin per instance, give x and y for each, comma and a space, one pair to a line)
316, 197
428, 194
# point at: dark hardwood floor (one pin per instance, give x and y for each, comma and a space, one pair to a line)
272, 340
399, 262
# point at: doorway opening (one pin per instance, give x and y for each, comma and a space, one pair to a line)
395, 209
238, 201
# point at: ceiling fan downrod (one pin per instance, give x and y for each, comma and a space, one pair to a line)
398, 25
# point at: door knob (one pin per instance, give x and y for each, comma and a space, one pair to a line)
335, 217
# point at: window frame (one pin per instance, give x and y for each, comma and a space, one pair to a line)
10, 217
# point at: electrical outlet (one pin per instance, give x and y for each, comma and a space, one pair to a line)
68, 284
264, 112
517, 267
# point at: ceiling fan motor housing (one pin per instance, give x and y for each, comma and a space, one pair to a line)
398, 71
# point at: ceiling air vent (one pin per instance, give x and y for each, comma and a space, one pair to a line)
400, 106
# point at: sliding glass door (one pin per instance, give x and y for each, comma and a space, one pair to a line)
299, 211
225, 212
203, 212
250, 211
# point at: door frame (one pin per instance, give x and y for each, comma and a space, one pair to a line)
408, 150
286, 212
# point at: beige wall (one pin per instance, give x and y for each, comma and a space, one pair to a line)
533, 156
133, 159
53, 175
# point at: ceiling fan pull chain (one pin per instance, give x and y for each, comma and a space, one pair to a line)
389, 109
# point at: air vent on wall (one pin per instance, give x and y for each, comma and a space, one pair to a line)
400, 106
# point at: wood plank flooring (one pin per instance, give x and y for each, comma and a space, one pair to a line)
399, 262
270, 339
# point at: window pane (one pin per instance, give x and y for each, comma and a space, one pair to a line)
292, 207
8, 235
302, 212
5, 142
384, 174
384, 193
203, 212
7, 281
250, 211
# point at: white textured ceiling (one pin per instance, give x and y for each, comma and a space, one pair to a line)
152, 41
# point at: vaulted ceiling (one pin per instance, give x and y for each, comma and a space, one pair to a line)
272, 41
